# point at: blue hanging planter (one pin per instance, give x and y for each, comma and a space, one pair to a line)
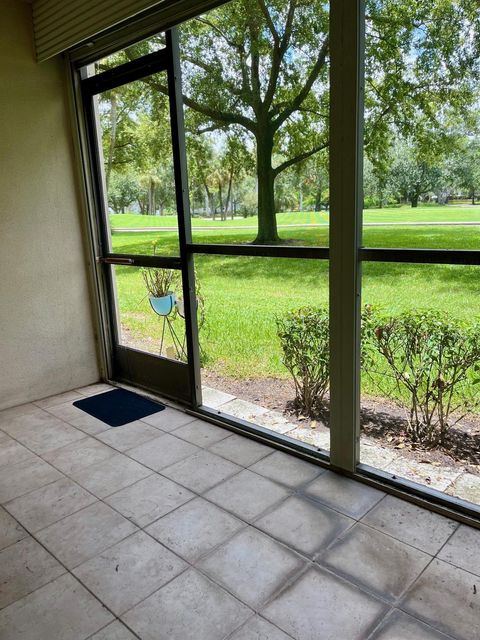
163, 306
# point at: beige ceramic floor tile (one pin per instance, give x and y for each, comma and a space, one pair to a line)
61, 398
40, 431
247, 495
94, 389
20, 478
108, 476
78, 455
12, 452
114, 631
405, 521
41, 508
125, 574
400, 626
162, 452
252, 566
259, 629
78, 418
10, 530
201, 433
242, 451
85, 534
448, 599
350, 497
375, 561
191, 607
287, 469
320, 605
24, 567
128, 435
304, 525
195, 529
149, 499
61, 610
463, 549
7, 414
168, 419
201, 471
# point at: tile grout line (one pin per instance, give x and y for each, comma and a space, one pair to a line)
295, 491
5, 504
68, 571
292, 491
309, 562
106, 627
403, 542
391, 613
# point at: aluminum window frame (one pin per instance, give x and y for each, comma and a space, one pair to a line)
345, 254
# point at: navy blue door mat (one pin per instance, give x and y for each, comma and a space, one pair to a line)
118, 407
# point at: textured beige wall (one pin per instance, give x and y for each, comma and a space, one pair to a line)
46, 337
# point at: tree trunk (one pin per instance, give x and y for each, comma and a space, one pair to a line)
318, 193
150, 198
206, 204
209, 202
267, 220
414, 201
229, 195
113, 137
220, 198
300, 198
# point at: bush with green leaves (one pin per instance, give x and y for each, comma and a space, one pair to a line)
304, 337
435, 363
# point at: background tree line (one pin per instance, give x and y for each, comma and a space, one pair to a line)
256, 97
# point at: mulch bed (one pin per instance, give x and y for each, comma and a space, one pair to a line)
382, 420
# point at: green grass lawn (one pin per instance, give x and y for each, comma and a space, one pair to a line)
398, 215
434, 237
243, 295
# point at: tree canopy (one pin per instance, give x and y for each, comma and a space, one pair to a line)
255, 75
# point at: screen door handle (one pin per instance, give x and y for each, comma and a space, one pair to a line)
118, 261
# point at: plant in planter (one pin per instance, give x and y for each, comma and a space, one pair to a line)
164, 287
161, 285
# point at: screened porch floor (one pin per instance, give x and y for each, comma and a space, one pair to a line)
170, 528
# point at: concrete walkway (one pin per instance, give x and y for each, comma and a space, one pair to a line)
296, 226
452, 480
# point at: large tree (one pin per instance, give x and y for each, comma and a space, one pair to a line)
464, 168
263, 65
413, 175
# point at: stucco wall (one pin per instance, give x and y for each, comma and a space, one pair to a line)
46, 336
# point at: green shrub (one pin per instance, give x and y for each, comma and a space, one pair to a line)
304, 337
433, 360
